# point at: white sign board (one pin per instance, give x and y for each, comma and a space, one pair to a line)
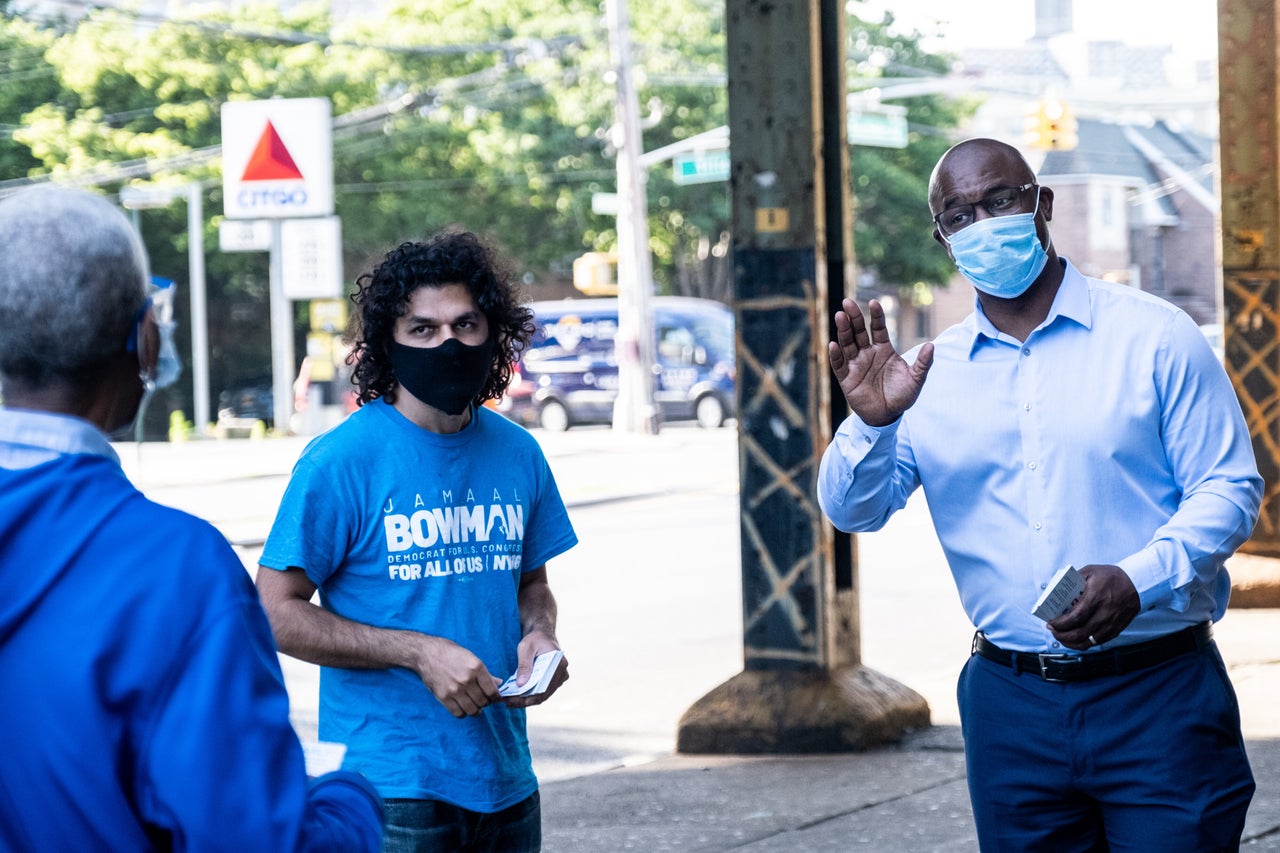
605, 204
244, 235
277, 158
311, 257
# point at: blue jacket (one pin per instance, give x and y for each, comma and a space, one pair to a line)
143, 706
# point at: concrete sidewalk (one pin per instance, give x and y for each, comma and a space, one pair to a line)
910, 796
628, 790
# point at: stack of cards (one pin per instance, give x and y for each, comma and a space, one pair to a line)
1060, 594
544, 667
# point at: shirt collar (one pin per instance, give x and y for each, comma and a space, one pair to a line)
1071, 302
29, 438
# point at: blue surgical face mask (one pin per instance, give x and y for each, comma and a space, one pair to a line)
168, 365
1000, 255
159, 302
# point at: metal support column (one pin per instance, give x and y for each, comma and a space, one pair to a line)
1249, 112
803, 688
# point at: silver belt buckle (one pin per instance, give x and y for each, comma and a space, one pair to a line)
1061, 662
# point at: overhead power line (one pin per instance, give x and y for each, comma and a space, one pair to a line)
353, 124
298, 37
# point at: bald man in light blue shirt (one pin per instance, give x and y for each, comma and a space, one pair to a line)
1067, 421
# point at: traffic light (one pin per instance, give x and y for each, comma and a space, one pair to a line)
1052, 126
596, 274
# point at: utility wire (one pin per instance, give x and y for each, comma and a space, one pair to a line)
295, 37
352, 124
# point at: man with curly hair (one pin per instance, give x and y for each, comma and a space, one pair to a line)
426, 520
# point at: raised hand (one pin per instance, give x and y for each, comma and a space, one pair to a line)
877, 383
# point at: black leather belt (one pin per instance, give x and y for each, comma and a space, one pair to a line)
1116, 661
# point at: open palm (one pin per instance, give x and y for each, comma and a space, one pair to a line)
877, 382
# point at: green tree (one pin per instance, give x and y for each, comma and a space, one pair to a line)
27, 80
144, 104
892, 230
494, 114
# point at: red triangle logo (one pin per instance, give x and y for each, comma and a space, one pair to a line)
270, 160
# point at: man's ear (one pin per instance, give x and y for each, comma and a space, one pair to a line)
1046, 203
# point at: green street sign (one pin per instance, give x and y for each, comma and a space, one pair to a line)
883, 127
701, 167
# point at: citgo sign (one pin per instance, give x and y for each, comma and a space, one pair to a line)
277, 158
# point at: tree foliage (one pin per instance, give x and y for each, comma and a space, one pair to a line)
892, 228
29, 81
495, 115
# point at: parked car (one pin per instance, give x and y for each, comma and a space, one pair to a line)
569, 373
254, 400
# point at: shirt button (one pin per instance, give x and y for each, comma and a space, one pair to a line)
1027, 351
1031, 465
1037, 525
1055, 645
1026, 407
1043, 585
867, 439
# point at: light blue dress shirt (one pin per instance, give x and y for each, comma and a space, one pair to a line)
29, 438
1112, 435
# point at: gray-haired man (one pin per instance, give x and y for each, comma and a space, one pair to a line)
143, 702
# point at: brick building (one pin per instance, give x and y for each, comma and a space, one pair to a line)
1137, 205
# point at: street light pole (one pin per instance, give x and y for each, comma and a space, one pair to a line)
282, 349
199, 305
633, 409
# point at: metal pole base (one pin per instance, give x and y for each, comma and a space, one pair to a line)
1255, 580
761, 712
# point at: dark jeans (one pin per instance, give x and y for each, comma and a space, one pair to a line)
434, 826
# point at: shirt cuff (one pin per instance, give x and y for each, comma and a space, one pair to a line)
859, 438
1149, 579
853, 442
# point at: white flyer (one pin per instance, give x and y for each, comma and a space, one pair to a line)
544, 669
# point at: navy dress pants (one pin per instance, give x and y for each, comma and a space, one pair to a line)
1150, 761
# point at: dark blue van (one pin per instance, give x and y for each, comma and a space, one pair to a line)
569, 373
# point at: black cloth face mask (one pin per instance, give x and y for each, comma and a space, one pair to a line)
447, 377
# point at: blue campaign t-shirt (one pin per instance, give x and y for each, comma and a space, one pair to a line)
400, 527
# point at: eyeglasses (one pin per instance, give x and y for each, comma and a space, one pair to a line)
1002, 201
